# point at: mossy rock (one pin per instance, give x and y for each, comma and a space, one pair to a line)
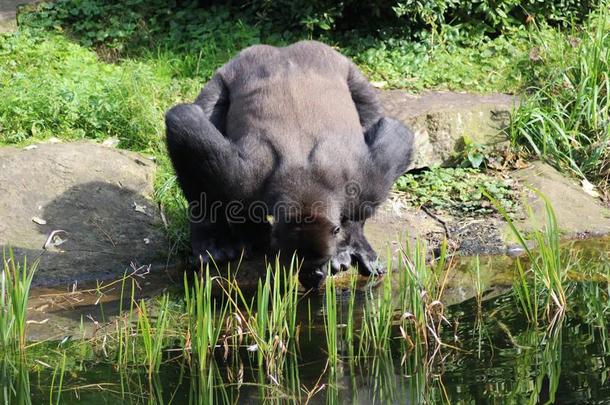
443, 120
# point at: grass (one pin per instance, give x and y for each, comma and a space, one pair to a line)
152, 335
565, 119
330, 323
15, 282
205, 320
377, 318
547, 264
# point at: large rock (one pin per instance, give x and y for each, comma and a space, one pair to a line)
89, 191
578, 214
442, 121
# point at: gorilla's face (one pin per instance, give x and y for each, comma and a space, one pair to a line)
314, 239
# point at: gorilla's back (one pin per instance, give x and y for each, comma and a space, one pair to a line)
295, 98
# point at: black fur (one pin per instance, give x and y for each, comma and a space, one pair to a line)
299, 133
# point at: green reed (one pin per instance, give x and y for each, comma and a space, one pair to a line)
152, 332
205, 319
124, 328
330, 322
15, 282
378, 317
547, 265
58, 373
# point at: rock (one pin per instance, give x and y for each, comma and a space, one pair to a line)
88, 191
8, 14
442, 121
578, 213
100, 198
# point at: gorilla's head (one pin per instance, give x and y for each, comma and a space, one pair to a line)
324, 239
313, 238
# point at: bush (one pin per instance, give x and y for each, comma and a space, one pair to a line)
488, 16
130, 22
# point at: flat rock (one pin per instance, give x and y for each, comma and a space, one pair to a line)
578, 214
443, 120
89, 191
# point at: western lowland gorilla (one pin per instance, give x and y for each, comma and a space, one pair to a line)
286, 150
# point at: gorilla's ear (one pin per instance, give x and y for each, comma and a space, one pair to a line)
391, 148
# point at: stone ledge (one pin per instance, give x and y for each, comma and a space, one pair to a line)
442, 120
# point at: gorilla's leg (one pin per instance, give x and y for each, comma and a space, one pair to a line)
207, 165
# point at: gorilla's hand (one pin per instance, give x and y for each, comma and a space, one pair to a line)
355, 250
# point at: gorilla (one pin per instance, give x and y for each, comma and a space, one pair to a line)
286, 150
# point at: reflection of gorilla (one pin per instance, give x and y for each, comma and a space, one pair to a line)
298, 132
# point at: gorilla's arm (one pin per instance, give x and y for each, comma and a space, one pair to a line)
214, 101
204, 159
390, 148
365, 98
389, 143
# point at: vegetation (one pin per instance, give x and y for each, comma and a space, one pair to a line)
459, 191
566, 119
15, 281
403, 328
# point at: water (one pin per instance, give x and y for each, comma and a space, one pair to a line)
489, 355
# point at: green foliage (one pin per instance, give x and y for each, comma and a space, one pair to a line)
458, 191
15, 281
193, 41
51, 87
414, 17
443, 62
454, 45
566, 119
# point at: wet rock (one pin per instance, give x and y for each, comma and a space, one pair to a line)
91, 193
442, 120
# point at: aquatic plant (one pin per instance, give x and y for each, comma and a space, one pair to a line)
378, 317
205, 319
547, 265
330, 322
15, 282
152, 335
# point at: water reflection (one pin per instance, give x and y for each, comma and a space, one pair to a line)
492, 354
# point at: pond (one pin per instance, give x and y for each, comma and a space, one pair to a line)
461, 333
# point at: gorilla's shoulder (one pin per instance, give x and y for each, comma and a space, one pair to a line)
255, 52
